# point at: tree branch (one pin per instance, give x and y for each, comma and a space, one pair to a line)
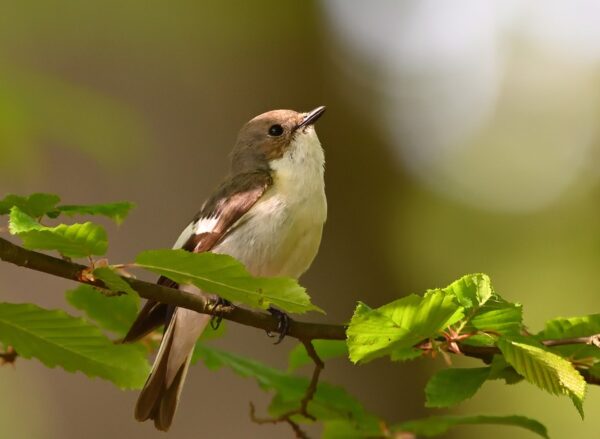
303, 331
14, 254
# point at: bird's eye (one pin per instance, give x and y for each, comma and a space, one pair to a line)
275, 130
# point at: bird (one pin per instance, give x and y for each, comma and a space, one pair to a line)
268, 213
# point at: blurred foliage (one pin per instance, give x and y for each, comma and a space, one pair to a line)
38, 108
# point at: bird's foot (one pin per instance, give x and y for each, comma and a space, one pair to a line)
216, 319
283, 324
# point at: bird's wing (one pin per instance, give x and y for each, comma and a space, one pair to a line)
215, 220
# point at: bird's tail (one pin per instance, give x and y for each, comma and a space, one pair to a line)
159, 398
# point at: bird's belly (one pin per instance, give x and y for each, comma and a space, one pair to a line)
277, 240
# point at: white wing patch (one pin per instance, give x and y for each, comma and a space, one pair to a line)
203, 225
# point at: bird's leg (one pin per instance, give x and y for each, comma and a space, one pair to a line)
216, 319
283, 324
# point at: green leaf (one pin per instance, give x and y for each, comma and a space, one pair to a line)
113, 281
405, 354
451, 386
76, 240
471, 290
545, 369
35, 205
116, 211
573, 327
342, 429
113, 313
501, 370
438, 425
58, 339
330, 402
399, 325
326, 349
225, 276
497, 316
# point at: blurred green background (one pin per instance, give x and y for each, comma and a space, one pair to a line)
460, 137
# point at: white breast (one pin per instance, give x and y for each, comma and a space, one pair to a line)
281, 233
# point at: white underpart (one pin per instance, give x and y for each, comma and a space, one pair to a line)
281, 233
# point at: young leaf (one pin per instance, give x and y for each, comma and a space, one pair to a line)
58, 339
399, 325
326, 349
570, 328
35, 205
545, 369
497, 316
116, 211
76, 240
448, 387
114, 313
225, 276
472, 290
113, 281
438, 425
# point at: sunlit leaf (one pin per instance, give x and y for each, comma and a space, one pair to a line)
471, 290
545, 369
113, 313
438, 425
225, 276
449, 387
58, 339
75, 240
34, 205
400, 324
497, 317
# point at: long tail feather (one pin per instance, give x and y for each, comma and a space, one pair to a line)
159, 398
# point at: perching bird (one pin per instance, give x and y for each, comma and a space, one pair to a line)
268, 213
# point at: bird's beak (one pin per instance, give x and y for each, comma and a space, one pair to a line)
312, 116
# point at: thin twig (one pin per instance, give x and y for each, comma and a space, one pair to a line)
306, 399
300, 434
591, 340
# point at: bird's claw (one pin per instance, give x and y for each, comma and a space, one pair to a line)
283, 324
216, 319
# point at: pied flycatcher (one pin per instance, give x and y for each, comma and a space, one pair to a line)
268, 214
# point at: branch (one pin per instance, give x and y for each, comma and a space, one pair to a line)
303, 331
14, 254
